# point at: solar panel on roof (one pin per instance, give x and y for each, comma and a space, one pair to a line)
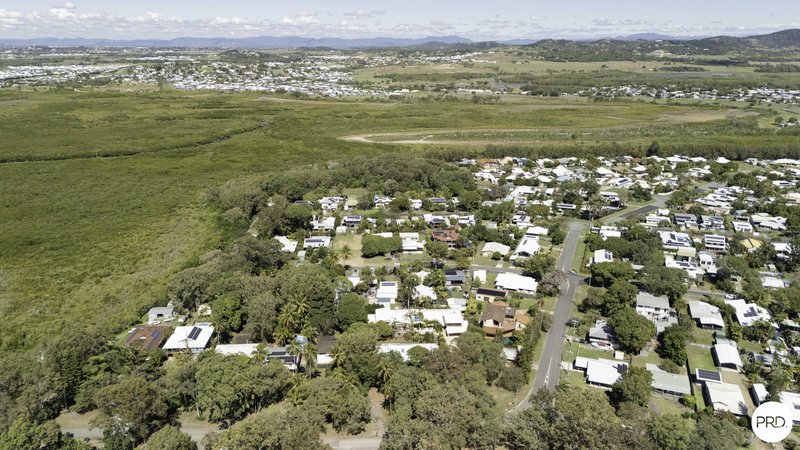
708, 375
194, 333
751, 313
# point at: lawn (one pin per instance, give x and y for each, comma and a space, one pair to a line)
354, 242
574, 349
700, 358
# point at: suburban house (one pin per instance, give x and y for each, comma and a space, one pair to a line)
500, 318
725, 397
422, 291
712, 223
449, 237
317, 242
146, 337
666, 383
326, 225
672, 240
601, 372
759, 393
490, 295
748, 313
490, 248
726, 354
325, 350
706, 315
351, 221
686, 220
402, 349
656, 309
288, 245
193, 338
791, 400
715, 242
454, 277
602, 334
601, 256
411, 242
527, 247
237, 349
516, 283
387, 292
742, 227
160, 314
282, 354
452, 320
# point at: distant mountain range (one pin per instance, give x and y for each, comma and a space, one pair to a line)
777, 40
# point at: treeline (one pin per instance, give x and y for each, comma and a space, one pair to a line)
778, 68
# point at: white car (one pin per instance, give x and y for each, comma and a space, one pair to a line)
730, 296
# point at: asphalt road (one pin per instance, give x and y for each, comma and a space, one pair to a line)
550, 362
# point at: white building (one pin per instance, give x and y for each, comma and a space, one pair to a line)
656, 309
725, 397
715, 242
727, 355
387, 292
528, 246
451, 320
706, 315
748, 313
288, 245
402, 349
237, 349
516, 283
491, 248
317, 242
602, 255
192, 338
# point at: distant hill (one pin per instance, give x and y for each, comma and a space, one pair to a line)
253, 42
608, 48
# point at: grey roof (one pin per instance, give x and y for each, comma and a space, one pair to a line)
649, 300
664, 381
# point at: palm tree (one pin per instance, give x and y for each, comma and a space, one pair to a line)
260, 355
337, 357
309, 352
300, 307
296, 349
345, 252
288, 317
385, 371
283, 335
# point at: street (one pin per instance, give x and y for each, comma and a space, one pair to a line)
549, 369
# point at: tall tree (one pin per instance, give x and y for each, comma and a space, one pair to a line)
633, 330
634, 387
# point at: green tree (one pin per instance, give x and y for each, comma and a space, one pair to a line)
24, 434
634, 387
673, 344
717, 432
437, 250
170, 438
670, 431
133, 405
633, 330
606, 273
229, 388
227, 315
526, 430
619, 295
537, 265
352, 309
665, 281
273, 429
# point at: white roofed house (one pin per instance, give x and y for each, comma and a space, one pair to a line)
706, 315
193, 338
726, 354
387, 292
671, 384
452, 320
317, 242
601, 372
327, 224
528, 246
725, 397
791, 400
288, 245
602, 334
742, 227
601, 256
491, 248
516, 283
770, 282
748, 313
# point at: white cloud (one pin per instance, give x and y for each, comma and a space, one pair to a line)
302, 19
361, 14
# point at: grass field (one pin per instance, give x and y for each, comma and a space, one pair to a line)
103, 192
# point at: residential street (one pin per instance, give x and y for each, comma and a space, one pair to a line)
550, 362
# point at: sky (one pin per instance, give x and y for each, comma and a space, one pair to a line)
477, 20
